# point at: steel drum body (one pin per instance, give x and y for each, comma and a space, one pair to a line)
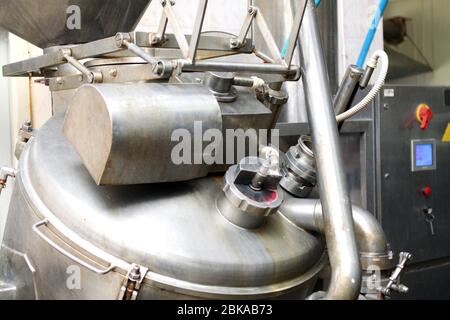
173, 229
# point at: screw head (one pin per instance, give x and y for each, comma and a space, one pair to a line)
27, 127
113, 72
234, 43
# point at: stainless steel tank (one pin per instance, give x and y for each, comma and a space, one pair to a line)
62, 225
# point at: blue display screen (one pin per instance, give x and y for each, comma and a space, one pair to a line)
424, 155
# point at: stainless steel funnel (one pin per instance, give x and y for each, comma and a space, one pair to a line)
44, 22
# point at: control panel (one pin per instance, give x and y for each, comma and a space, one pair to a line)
413, 169
423, 155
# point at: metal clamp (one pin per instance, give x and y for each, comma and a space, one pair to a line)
68, 254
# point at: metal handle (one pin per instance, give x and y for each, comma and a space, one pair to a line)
65, 253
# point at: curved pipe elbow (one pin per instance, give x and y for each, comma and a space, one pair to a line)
370, 238
307, 214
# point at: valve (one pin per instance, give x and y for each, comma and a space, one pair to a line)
394, 280
5, 173
251, 190
424, 115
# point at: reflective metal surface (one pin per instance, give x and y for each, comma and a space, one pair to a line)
44, 23
339, 231
173, 229
127, 133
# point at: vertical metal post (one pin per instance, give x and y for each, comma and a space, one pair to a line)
338, 222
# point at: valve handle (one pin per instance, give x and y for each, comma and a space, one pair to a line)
394, 279
424, 115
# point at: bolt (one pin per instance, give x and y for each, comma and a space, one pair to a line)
251, 10
386, 106
59, 80
113, 72
387, 176
234, 43
26, 126
135, 274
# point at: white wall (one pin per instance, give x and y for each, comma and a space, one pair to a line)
5, 128
20, 99
430, 30
354, 20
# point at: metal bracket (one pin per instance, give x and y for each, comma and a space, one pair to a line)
240, 41
189, 46
132, 284
26, 133
5, 173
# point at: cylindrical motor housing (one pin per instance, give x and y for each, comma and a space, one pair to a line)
126, 133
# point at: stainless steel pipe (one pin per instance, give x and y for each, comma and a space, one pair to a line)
308, 214
337, 214
292, 72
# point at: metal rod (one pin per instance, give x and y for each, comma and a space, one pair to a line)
263, 56
195, 39
179, 35
338, 222
248, 23
293, 38
140, 52
80, 67
347, 88
240, 67
161, 28
268, 37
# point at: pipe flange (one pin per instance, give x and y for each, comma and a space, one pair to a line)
298, 169
382, 261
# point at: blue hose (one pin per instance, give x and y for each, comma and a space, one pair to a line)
372, 31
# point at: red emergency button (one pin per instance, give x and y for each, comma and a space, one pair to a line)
424, 116
427, 192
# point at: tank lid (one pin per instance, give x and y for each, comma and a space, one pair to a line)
173, 229
47, 23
